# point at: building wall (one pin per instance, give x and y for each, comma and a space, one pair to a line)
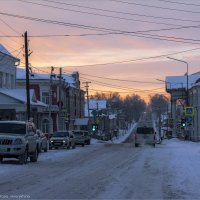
7, 71
194, 96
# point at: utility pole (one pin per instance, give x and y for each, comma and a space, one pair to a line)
50, 102
60, 102
27, 76
87, 87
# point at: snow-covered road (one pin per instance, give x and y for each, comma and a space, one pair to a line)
108, 171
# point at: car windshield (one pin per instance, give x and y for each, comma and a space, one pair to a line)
61, 134
78, 133
145, 130
13, 128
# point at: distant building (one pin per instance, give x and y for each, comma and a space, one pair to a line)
177, 87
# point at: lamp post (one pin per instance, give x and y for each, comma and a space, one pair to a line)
186, 75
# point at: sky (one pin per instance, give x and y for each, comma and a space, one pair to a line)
128, 40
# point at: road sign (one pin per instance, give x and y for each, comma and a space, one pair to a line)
189, 120
189, 111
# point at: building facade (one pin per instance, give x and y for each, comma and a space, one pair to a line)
177, 87
63, 96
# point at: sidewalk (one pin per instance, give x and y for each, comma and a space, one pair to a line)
121, 137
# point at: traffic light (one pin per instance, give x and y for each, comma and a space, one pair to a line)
183, 122
94, 127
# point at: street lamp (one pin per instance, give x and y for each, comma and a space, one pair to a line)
166, 82
186, 75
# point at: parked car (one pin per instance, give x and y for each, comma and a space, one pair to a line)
18, 139
43, 143
62, 139
144, 135
82, 137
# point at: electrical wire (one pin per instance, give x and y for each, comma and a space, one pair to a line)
158, 7
96, 14
132, 33
179, 3
124, 13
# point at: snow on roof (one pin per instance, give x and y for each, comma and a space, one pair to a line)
177, 82
21, 74
5, 51
20, 94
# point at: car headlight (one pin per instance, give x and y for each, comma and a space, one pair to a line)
51, 141
18, 141
64, 141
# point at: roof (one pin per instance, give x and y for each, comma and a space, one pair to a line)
177, 82
21, 74
81, 121
20, 94
5, 51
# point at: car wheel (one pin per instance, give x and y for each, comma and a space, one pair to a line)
136, 145
40, 149
45, 149
34, 157
68, 146
88, 142
73, 147
1, 159
24, 157
83, 145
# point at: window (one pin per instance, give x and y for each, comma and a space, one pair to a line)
145, 130
45, 125
13, 128
45, 97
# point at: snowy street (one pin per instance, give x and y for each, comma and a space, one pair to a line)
107, 171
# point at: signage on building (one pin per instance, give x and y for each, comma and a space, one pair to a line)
189, 111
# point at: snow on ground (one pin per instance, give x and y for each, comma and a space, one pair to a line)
123, 135
11, 164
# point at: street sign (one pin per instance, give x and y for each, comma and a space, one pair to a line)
189, 111
189, 120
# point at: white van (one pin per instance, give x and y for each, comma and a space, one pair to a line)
144, 135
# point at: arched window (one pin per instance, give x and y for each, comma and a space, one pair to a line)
45, 125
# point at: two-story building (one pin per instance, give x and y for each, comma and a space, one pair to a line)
177, 87
63, 96
12, 100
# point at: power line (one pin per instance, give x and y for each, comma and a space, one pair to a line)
126, 13
179, 3
120, 87
9, 26
96, 14
134, 60
159, 7
103, 29
115, 79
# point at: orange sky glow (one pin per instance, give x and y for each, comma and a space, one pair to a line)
102, 54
